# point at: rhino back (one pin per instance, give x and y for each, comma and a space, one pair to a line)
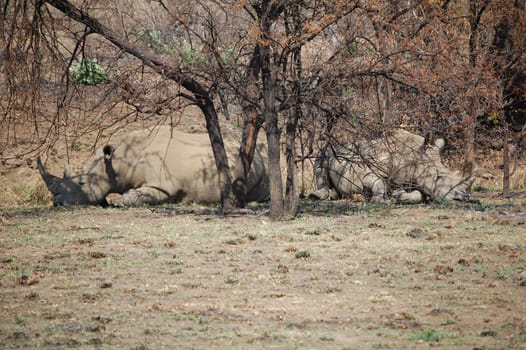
397, 158
182, 165
179, 164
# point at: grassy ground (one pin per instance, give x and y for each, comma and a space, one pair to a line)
341, 275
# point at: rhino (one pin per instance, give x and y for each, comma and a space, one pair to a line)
401, 166
155, 166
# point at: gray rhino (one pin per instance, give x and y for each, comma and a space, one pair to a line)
401, 165
154, 166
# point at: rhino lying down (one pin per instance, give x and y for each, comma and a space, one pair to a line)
401, 165
149, 167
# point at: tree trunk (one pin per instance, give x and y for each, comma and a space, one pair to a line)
252, 123
383, 98
470, 120
506, 162
273, 133
251, 129
291, 197
228, 199
383, 84
276, 184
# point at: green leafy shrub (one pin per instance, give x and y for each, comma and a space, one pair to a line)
193, 56
154, 38
89, 72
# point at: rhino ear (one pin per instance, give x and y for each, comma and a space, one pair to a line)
108, 151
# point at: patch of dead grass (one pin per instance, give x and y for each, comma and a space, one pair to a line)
196, 279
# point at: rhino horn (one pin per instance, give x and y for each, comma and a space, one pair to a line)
52, 182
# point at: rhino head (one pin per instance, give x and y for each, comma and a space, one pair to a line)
452, 186
90, 186
441, 183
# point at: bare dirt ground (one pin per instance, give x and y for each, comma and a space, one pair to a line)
342, 275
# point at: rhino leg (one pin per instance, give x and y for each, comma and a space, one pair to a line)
404, 197
321, 194
377, 187
143, 195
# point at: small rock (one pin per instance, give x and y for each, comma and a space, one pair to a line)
302, 255
31, 296
488, 333
443, 269
463, 262
416, 233
18, 335
235, 241
27, 281
170, 244
103, 320
97, 255
283, 268
106, 285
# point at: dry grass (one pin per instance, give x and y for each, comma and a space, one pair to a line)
341, 275
518, 180
490, 172
23, 186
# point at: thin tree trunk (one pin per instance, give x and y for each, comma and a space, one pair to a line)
469, 137
273, 134
251, 129
228, 199
252, 123
383, 85
383, 93
291, 197
506, 162
475, 10
276, 184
